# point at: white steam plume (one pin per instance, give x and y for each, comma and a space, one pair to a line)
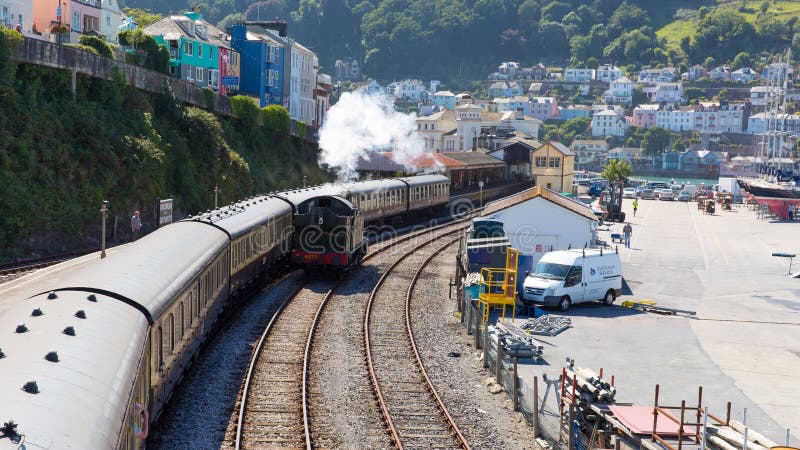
359, 124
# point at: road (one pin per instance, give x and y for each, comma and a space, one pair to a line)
744, 344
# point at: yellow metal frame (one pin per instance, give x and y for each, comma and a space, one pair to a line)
499, 286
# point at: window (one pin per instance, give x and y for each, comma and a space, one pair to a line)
188, 48
160, 342
198, 74
555, 162
541, 161
171, 333
200, 50
76, 21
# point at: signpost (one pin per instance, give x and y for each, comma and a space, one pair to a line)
165, 212
230, 81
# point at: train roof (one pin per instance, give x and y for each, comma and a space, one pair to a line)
298, 196
423, 180
82, 399
242, 216
365, 187
156, 268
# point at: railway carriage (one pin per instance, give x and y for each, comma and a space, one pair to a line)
379, 200
260, 232
427, 193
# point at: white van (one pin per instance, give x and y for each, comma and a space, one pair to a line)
566, 277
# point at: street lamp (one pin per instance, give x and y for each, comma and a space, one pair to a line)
305, 179
480, 185
104, 210
217, 190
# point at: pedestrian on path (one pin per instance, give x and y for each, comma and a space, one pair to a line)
635, 206
136, 226
627, 232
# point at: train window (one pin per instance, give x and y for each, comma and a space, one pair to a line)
182, 323
191, 307
160, 342
171, 333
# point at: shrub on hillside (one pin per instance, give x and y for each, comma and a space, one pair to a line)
97, 43
276, 119
85, 48
245, 109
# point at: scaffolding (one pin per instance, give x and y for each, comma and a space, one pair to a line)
499, 286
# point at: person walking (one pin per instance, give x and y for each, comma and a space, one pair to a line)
635, 206
136, 225
627, 230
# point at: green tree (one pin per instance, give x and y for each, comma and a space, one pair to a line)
723, 33
276, 119
742, 59
142, 17
655, 141
616, 170
678, 145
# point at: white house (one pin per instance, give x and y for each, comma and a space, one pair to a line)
744, 75
653, 76
110, 20
675, 118
608, 123
18, 12
304, 66
713, 117
629, 154
668, 93
516, 103
590, 151
696, 72
720, 73
542, 220
775, 70
608, 73
409, 90
431, 129
761, 122
759, 94
508, 68
620, 92
577, 75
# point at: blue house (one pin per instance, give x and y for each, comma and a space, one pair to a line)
672, 160
262, 66
689, 161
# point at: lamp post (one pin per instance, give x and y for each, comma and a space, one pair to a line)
305, 179
104, 210
216, 196
480, 185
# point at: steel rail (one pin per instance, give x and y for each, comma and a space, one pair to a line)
367, 320
251, 371
420, 364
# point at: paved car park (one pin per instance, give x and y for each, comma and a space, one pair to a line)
743, 344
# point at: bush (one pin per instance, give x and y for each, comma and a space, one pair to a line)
245, 109
85, 48
10, 40
208, 97
276, 119
97, 43
301, 129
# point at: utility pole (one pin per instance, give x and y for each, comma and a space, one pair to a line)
216, 196
104, 210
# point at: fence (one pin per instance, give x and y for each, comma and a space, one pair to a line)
539, 401
44, 53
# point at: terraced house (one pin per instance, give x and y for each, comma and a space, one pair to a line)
16, 13
199, 52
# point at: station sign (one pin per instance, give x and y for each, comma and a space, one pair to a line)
165, 212
229, 81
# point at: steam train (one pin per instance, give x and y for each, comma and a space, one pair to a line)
92, 349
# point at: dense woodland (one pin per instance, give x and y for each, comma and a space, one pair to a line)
465, 39
61, 156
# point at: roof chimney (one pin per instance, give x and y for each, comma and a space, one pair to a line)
519, 114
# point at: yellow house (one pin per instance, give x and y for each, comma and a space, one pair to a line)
552, 166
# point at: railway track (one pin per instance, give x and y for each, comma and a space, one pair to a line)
273, 410
411, 407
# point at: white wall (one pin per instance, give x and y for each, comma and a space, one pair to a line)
538, 221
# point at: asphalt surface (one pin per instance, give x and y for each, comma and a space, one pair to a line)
743, 344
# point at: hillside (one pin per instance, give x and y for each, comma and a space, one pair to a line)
60, 157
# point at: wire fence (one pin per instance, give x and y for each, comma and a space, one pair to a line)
538, 400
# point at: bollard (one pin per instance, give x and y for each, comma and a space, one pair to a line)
536, 407
515, 386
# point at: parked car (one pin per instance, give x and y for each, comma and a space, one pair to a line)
629, 192
685, 196
649, 194
666, 194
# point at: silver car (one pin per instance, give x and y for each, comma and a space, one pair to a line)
666, 194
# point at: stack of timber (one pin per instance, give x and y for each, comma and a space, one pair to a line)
547, 325
731, 437
592, 388
515, 341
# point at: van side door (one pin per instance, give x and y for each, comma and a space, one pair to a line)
574, 285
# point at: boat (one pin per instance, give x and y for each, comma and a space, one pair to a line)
778, 174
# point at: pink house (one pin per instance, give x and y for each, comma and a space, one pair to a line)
80, 16
644, 116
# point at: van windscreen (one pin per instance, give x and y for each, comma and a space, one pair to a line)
551, 271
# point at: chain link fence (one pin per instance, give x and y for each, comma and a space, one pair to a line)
538, 400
